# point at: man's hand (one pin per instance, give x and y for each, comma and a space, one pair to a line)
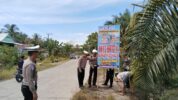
35, 96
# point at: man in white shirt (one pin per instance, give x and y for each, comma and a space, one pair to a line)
123, 77
29, 83
81, 68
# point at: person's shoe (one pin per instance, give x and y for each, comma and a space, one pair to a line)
95, 86
81, 87
110, 86
104, 84
89, 86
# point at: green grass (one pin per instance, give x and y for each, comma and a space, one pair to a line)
171, 95
110, 97
85, 94
6, 74
48, 64
172, 92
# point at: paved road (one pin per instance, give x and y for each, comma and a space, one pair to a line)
58, 83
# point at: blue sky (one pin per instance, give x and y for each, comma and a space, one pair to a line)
66, 20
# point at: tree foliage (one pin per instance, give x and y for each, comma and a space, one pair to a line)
8, 56
153, 45
36, 39
123, 19
14, 31
91, 42
54, 49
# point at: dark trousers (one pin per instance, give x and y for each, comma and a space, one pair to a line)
81, 76
92, 75
127, 82
109, 77
26, 93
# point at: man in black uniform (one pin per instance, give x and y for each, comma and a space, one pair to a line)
109, 77
93, 68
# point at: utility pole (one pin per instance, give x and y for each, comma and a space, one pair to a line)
48, 34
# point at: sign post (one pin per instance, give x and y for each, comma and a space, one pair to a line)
109, 46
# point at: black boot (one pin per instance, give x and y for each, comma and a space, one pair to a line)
104, 84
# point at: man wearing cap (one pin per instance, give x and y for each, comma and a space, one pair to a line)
29, 83
93, 68
81, 68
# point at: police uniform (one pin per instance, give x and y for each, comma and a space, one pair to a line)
109, 76
81, 69
29, 83
93, 71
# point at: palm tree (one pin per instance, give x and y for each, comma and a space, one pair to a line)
36, 39
153, 45
14, 32
123, 20
109, 23
91, 42
11, 29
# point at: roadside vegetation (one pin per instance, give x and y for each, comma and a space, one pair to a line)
52, 53
88, 95
8, 73
153, 47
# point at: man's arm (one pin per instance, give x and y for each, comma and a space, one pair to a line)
30, 79
30, 73
79, 64
90, 59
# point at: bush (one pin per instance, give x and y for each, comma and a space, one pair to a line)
8, 57
7, 73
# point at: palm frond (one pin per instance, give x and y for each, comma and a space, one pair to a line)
153, 43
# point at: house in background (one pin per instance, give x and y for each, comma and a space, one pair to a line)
6, 39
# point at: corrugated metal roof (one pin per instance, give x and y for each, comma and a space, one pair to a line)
6, 38
3, 35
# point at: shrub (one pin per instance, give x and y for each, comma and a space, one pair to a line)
8, 56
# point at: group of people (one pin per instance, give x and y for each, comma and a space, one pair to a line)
29, 72
93, 68
123, 78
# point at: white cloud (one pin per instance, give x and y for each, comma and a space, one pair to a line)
55, 12
48, 11
73, 38
46, 19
